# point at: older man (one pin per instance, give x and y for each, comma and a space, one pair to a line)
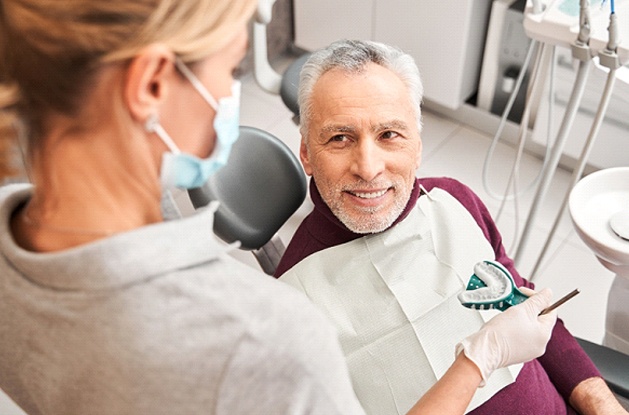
385, 254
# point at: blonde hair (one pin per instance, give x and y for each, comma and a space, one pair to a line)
50, 49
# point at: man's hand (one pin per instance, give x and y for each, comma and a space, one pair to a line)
593, 397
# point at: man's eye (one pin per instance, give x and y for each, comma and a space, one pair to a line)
389, 134
339, 138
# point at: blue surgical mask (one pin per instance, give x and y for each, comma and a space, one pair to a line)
186, 170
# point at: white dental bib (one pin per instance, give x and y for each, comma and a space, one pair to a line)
393, 299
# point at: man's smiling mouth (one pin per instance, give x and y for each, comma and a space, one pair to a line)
369, 195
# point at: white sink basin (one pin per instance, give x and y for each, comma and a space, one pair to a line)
596, 202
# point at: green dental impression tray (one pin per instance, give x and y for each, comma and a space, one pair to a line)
491, 287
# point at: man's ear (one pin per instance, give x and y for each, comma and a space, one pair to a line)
418, 159
146, 82
305, 157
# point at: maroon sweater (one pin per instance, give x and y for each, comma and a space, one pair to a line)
545, 384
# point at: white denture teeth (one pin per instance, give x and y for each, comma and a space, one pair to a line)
498, 285
370, 195
491, 287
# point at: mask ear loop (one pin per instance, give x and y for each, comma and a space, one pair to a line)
187, 73
21, 135
152, 125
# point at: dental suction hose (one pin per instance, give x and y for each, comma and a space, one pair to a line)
503, 120
584, 22
538, 64
608, 58
549, 170
578, 171
580, 51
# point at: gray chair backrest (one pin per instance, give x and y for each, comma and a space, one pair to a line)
261, 186
290, 85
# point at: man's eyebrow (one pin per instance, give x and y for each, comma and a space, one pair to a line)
390, 125
336, 128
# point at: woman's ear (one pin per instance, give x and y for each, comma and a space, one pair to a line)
147, 80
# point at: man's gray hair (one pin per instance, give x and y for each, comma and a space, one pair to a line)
352, 56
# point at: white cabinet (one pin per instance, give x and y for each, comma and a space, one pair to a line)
446, 38
320, 22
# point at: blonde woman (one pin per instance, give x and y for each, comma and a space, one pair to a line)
105, 307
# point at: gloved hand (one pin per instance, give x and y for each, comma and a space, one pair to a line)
517, 335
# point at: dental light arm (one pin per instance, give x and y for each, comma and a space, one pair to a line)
265, 75
264, 13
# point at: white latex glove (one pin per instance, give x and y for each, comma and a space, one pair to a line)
517, 335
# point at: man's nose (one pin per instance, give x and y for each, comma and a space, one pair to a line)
367, 160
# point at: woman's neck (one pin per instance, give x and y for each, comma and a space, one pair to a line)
88, 188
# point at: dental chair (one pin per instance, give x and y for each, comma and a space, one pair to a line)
259, 189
